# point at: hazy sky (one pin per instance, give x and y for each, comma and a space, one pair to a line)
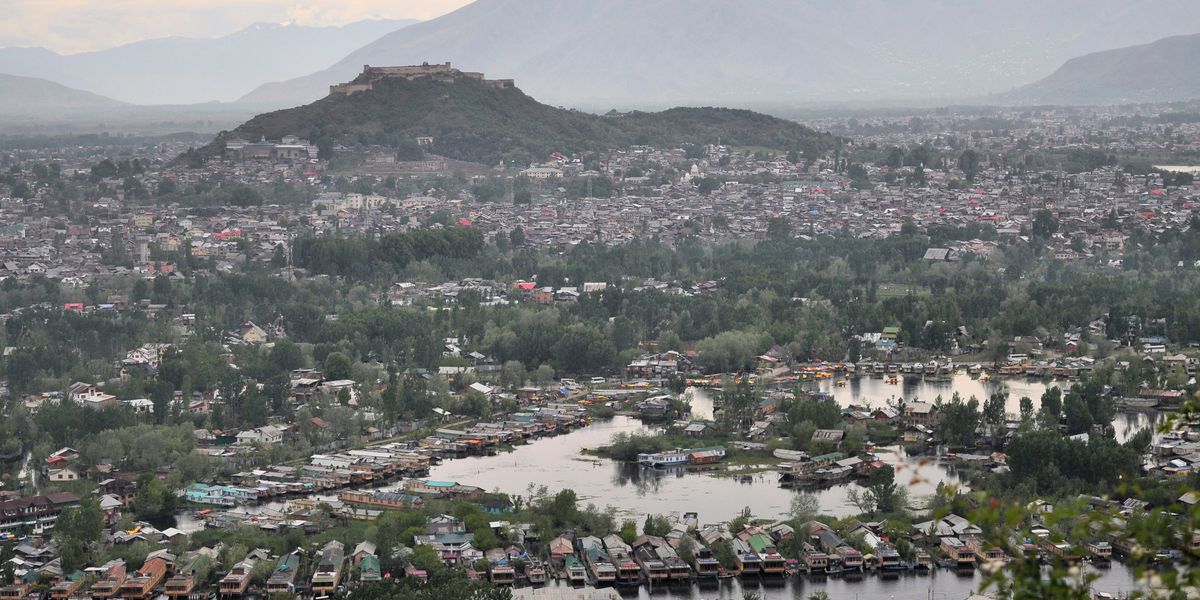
79, 25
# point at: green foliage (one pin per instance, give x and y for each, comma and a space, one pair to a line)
156, 503
78, 533
360, 259
1047, 462
822, 412
474, 122
337, 366
957, 421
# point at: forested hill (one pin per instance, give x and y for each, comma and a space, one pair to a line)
472, 121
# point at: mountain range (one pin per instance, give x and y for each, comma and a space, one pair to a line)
630, 53
23, 95
1162, 71
468, 119
182, 70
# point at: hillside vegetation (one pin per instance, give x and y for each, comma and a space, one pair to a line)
472, 121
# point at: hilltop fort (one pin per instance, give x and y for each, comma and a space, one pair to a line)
441, 72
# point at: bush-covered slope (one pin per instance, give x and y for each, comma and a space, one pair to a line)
472, 121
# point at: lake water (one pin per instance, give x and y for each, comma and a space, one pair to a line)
877, 392
633, 491
938, 585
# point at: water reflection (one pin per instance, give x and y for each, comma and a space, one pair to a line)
556, 463
938, 585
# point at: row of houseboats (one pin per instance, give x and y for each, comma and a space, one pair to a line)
380, 464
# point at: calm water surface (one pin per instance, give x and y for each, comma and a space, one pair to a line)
633, 491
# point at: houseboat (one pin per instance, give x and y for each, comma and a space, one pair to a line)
958, 552
629, 574
852, 560
500, 569
922, 561
814, 561
535, 571
1023, 548
651, 547
1100, 553
984, 552
328, 572
707, 567
1060, 550
110, 585
833, 564
669, 458
748, 563
888, 558
283, 579
576, 573
147, 579
772, 563
235, 583
653, 568
603, 571
67, 588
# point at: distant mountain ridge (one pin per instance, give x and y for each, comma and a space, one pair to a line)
1161, 71
33, 96
469, 119
180, 70
652, 53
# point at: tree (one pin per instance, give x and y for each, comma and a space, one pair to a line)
78, 531
968, 162
779, 228
161, 396
707, 185
804, 508
543, 374
337, 366
823, 412
286, 356
512, 374
1076, 413
21, 368
881, 486
1027, 414
1051, 410
628, 531
584, 349
140, 290
155, 501
958, 420
656, 525
993, 413
686, 549
1044, 224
